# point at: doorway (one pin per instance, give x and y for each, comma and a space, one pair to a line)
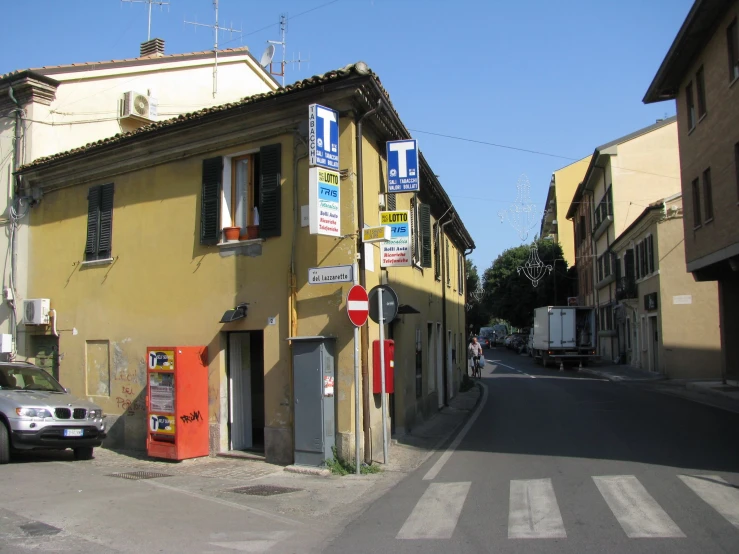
439, 366
449, 362
246, 390
653, 344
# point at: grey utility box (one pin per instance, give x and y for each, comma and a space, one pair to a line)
313, 399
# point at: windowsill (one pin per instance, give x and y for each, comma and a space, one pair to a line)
237, 243
696, 227
701, 118
731, 84
707, 221
610, 333
690, 132
92, 263
647, 277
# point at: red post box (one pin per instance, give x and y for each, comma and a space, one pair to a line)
389, 367
177, 402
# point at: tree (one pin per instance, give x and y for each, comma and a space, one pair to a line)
478, 315
510, 295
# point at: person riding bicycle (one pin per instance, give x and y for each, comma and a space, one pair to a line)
474, 350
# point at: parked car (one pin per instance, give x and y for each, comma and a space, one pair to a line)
36, 412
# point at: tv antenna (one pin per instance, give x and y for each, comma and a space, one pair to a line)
269, 53
159, 3
216, 28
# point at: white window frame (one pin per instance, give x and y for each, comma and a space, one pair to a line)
226, 195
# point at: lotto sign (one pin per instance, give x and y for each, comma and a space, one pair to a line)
323, 129
402, 166
324, 208
396, 251
161, 360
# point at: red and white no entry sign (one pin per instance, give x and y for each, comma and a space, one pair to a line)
357, 305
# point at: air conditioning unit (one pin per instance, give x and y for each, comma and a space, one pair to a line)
36, 311
138, 106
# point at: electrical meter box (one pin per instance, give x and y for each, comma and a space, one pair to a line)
177, 402
313, 399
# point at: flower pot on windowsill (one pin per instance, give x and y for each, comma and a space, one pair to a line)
252, 232
231, 233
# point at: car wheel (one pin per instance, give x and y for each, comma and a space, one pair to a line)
4, 444
83, 453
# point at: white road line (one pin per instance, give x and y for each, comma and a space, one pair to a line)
496, 362
635, 509
256, 542
717, 493
533, 512
436, 468
436, 513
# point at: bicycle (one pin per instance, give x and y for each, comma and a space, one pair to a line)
476, 367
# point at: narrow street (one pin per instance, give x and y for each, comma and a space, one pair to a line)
565, 462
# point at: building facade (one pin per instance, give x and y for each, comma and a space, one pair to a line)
701, 73
53, 109
131, 251
629, 172
667, 322
562, 188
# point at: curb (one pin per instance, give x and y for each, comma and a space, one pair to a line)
305, 470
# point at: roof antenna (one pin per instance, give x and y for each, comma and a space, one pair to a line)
159, 3
216, 28
269, 53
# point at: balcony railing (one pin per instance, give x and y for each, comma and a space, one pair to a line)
626, 288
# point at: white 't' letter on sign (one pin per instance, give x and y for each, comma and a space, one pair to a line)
401, 148
328, 117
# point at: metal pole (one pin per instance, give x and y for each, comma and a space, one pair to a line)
382, 375
356, 382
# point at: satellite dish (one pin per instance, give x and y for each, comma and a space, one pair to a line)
269, 53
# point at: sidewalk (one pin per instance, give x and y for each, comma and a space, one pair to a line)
713, 392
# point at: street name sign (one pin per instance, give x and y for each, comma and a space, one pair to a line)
403, 174
330, 274
357, 305
323, 137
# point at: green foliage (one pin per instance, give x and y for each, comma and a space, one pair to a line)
511, 296
479, 315
344, 467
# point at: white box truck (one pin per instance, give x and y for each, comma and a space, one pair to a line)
564, 333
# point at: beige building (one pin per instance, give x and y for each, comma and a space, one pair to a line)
132, 252
666, 321
52, 109
624, 175
701, 73
554, 224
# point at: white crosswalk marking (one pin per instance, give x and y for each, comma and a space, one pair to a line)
533, 511
255, 542
635, 509
436, 513
717, 493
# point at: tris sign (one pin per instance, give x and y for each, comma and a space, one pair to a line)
402, 166
324, 207
323, 125
396, 251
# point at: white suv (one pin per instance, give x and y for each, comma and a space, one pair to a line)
36, 412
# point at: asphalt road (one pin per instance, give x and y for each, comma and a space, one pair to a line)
563, 462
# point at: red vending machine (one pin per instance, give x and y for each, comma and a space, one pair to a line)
177, 402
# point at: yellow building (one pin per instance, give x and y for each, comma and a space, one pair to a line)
562, 188
127, 242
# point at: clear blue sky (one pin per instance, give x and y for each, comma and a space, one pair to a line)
559, 77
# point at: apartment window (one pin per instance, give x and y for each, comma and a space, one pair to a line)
437, 252
707, 195
448, 276
700, 87
241, 191
696, 203
421, 233
581, 228
732, 42
605, 207
606, 318
391, 202
99, 223
460, 273
419, 364
690, 105
644, 251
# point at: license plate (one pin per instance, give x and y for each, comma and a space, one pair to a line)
73, 432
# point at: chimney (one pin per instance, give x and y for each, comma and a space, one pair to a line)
153, 48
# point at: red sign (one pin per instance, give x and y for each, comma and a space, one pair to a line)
357, 305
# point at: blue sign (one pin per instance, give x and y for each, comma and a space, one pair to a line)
323, 128
402, 166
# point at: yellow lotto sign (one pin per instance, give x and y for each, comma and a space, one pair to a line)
389, 218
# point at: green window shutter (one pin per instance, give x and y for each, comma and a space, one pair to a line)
391, 202
437, 253
210, 203
105, 240
93, 223
270, 199
425, 224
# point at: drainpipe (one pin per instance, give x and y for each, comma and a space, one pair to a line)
444, 270
18, 146
363, 283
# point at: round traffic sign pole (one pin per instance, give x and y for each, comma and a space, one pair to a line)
357, 305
